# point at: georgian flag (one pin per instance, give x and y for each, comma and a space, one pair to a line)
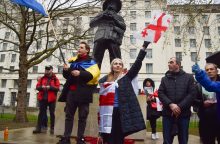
106, 102
155, 29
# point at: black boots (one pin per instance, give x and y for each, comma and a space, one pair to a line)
81, 141
64, 140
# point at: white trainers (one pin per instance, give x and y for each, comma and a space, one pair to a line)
153, 136
157, 136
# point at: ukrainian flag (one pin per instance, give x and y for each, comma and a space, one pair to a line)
88, 65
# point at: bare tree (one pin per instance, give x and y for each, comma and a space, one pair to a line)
28, 30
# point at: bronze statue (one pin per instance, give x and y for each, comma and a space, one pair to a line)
111, 28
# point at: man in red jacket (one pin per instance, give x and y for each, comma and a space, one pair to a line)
48, 87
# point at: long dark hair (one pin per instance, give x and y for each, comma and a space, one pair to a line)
151, 82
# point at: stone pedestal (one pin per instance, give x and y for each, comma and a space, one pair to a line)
92, 124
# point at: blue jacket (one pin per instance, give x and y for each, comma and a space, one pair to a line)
209, 85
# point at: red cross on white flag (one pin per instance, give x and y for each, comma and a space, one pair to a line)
154, 30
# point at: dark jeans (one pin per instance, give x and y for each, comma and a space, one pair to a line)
101, 46
70, 109
43, 112
116, 136
153, 124
209, 128
183, 126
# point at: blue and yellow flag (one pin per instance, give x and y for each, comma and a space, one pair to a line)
90, 66
33, 4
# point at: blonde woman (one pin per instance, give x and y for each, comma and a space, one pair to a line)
119, 112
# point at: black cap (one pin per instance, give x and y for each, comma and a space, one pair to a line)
49, 67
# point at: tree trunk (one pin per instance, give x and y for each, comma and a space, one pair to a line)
21, 115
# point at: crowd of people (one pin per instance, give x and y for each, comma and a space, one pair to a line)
119, 110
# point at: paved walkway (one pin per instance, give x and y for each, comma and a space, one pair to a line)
25, 136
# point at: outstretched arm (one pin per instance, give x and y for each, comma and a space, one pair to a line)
138, 62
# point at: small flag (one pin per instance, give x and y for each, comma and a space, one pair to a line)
154, 30
32, 4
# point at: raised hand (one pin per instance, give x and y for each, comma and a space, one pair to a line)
196, 68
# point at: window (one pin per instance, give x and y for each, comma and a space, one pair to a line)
132, 39
50, 44
13, 98
29, 83
218, 18
12, 68
4, 82
149, 68
76, 43
54, 22
74, 54
192, 43
208, 43
204, 18
175, 18
147, 14
13, 57
133, 53
218, 30
191, 30
2, 95
179, 56
60, 57
66, 21
149, 53
133, 26
5, 45
16, 47
133, 2
35, 69
15, 83
39, 44
208, 54
2, 58
193, 56
7, 35
79, 20
177, 30
147, 3
49, 58
27, 99
206, 30
60, 69
40, 33
65, 31
177, 42
146, 24
1, 69
133, 14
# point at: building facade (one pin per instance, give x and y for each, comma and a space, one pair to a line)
188, 33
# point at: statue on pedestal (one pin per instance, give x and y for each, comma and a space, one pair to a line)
111, 28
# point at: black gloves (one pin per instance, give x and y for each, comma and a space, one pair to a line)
145, 44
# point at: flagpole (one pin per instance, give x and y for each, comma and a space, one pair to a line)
56, 38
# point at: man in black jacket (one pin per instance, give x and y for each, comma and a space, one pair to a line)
82, 78
209, 127
176, 92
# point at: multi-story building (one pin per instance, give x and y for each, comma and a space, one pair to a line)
194, 28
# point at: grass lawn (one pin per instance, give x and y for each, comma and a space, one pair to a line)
193, 127
6, 120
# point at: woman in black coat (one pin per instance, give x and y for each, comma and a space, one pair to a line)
119, 111
152, 112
